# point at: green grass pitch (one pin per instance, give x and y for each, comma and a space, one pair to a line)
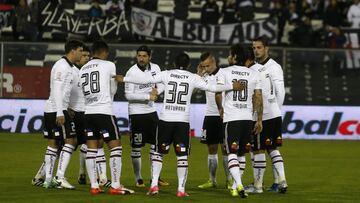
317, 171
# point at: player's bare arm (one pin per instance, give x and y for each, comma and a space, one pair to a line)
238, 86
119, 78
258, 107
218, 100
153, 94
60, 120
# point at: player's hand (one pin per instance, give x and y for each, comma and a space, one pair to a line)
153, 97
119, 78
258, 128
60, 120
71, 113
238, 86
200, 70
154, 91
221, 112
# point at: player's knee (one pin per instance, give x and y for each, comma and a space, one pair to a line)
234, 148
136, 152
181, 149
164, 148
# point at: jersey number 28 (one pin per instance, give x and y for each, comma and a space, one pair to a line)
93, 80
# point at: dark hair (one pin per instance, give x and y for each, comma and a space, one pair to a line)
264, 40
249, 53
86, 48
72, 44
182, 61
242, 53
144, 48
99, 46
205, 56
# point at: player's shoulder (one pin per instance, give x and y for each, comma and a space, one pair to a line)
62, 63
155, 67
132, 69
273, 64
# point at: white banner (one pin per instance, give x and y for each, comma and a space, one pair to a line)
299, 122
158, 26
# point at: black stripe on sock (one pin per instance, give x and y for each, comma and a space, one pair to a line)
234, 159
66, 151
275, 156
277, 161
115, 155
234, 165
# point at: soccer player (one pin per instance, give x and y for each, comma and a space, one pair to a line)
238, 111
142, 111
212, 132
271, 138
173, 126
77, 110
58, 124
99, 89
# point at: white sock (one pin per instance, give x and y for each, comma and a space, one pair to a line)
156, 166
252, 161
101, 164
50, 158
182, 171
278, 165
259, 169
41, 171
64, 160
115, 166
82, 158
226, 168
136, 162
234, 169
212, 165
242, 164
91, 167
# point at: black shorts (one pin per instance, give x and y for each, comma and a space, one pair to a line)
52, 131
238, 136
143, 129
79, 120
213, 131
101, 126
173, 132
270, 137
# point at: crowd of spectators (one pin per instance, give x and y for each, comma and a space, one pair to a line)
295, 17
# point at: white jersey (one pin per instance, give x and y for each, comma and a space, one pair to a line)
138, 95
77, 100
211, 106
61, 78
268, 75
238, 104
98, 86
277, 78
353, 15
179, 85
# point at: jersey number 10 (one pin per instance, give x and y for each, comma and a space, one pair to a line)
241, 95
93, 80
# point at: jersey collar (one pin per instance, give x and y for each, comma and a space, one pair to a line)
216, 71
265, 61
68, 61
144, 69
